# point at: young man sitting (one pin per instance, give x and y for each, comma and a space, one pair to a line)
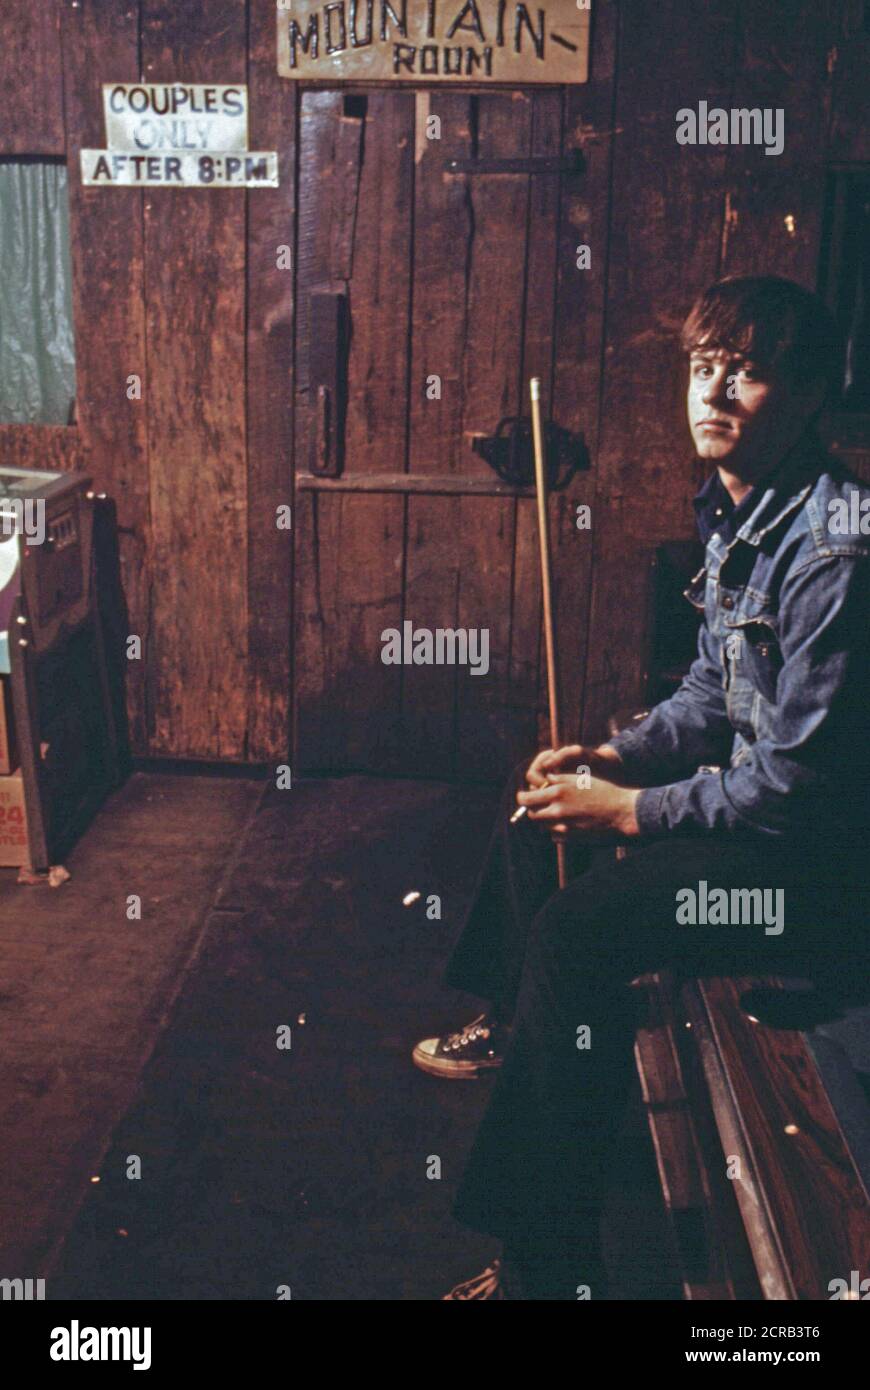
753, 775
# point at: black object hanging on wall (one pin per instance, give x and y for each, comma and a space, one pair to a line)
509, 453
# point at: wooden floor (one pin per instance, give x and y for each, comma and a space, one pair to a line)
156, 1039
85, 991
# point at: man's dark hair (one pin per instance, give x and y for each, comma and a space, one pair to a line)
773, 321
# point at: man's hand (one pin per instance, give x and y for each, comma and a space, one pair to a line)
603, 762
593, 808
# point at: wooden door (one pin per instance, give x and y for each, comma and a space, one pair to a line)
449, 285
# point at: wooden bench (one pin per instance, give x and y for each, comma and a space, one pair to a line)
726, 1093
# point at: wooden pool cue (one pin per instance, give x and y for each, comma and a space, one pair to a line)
547, 590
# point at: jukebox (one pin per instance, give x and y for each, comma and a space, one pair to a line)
60, 739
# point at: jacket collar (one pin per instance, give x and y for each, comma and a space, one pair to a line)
785, 490
778, 496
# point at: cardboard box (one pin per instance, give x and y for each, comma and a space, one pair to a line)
8, 751
14, 849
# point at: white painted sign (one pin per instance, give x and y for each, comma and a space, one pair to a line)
177, 135
116, 169
149, 117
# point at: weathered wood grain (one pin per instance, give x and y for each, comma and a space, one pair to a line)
380, 285
590, 124
773, 202
364, 695
316, 538
491, 375
527, 669
55, 447
355, 237
269, 396
443, 228
195, 401
527, 677
554, 308
31, 91
107, 252
370, 559
487, 539
329, 154
329, 162
663, 248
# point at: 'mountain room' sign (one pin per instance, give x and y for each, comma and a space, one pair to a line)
434, 40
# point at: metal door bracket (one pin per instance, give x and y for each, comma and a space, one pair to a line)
327, 371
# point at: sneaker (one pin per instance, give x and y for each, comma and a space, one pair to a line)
462, 1056
483, 1286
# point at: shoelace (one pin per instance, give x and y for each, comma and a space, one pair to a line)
469, 1034
482, 1286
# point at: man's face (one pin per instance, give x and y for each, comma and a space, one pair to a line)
742, 417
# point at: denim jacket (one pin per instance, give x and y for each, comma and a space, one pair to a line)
769, 732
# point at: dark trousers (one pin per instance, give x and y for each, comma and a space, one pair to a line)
559, 963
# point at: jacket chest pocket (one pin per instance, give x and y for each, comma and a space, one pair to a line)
754, 654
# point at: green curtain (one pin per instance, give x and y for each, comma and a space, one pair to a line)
37, 348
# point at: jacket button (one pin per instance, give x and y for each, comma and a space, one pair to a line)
728, 601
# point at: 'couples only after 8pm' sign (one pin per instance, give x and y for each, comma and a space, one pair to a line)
177, 135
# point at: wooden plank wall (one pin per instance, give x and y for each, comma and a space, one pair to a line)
185, 291
195, 330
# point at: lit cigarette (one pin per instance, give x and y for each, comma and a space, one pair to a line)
518, 814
